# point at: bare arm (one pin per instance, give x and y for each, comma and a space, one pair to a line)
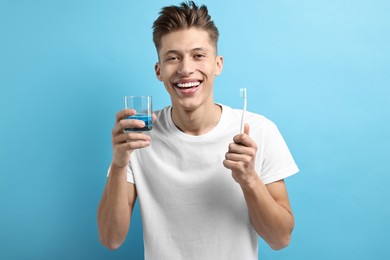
270, 212
268, 205
117, 202
115, 209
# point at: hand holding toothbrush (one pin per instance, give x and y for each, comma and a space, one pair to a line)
241, 154
241, 157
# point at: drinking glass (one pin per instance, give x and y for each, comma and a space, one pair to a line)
143, 107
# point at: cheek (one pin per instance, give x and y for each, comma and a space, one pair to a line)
206, 68
166, 72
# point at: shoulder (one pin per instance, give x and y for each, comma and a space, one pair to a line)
162, 123
257, 119
163, 112
251, 118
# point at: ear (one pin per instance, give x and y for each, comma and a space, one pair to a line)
218, 65
158, 71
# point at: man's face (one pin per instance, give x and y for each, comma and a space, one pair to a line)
187, 67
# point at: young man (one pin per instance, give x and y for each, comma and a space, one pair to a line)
205, 190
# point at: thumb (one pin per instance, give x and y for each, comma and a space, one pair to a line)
154, 117
246, 129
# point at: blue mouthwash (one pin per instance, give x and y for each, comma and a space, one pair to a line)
147, 119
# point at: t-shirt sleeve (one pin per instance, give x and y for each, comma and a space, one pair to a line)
277, 162
130, 176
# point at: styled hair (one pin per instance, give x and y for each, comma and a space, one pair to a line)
185, 16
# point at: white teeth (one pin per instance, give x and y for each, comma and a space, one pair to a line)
188, 85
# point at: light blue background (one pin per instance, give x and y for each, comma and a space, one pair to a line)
318, 69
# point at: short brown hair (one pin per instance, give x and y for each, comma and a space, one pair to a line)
186, 16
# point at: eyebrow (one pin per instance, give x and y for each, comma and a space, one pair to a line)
178, 52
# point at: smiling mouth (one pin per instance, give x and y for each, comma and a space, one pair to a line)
187, 85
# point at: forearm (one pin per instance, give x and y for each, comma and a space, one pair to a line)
273, 221
113, 211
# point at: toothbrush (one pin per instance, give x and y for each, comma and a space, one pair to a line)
243, 95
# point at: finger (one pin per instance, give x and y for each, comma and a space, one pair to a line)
235, 157
237, 148
127, 123
240, 148
124, 114
245, 158
234, 166
229, 164
132, 145
245, 139
154, 117
131, 137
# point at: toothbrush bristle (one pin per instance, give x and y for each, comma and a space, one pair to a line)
243, 92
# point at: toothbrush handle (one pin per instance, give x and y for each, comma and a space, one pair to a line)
242, 117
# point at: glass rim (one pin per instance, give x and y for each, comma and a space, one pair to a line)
143, 96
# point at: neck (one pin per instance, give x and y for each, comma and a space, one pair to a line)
199, 121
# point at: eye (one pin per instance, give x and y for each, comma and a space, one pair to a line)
171, 58
199, 56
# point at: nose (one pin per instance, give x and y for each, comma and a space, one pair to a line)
186, 67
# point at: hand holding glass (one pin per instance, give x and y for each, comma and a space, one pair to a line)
143, 107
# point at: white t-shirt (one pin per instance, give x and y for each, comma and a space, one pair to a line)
191, 207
